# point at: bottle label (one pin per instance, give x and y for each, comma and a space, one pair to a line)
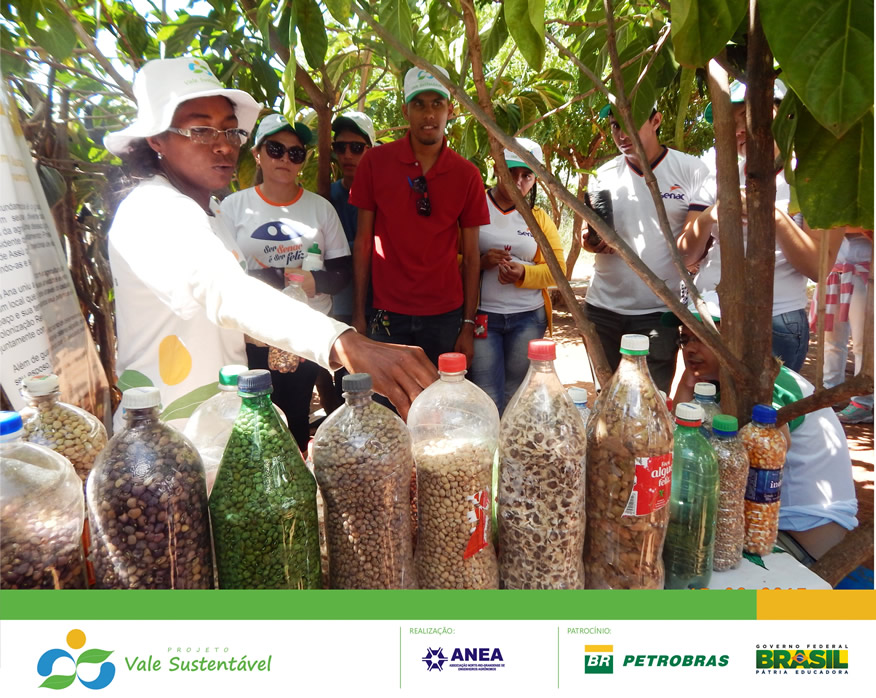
651, 485
479, 518
764, 486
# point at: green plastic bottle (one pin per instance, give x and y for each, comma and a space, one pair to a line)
263, 505
693, 504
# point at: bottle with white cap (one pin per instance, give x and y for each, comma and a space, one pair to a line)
705, 395
693, 507
147, 505
42, 510
579, 399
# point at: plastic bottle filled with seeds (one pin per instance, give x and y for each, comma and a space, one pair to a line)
69, 430
766, 449
733, 470
279, 359
263, 505
629, 472
42, 510
705, 397
542, 452
363, 464
455, 431
147, 505
693, 506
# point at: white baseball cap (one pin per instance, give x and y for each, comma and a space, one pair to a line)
161, 85
418, 80
358, 122
512, 159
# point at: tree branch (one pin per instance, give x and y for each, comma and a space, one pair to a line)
862, 384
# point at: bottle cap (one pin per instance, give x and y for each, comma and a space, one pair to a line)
452, 362
228, 374
353, 382
725, 423
257, 381
578, 395
141, 398
635, 344
314, 249
688, 414
542, 350
707, 389
294, 278
763, 414
40, 385
10, 425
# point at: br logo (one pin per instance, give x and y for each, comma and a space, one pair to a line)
598, 659
76, 640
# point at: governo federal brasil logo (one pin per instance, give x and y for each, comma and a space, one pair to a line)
46, 665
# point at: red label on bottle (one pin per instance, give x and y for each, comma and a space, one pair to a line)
478, 517
651, 485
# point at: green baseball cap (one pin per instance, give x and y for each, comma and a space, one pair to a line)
274, 123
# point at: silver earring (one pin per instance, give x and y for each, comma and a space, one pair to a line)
160, 156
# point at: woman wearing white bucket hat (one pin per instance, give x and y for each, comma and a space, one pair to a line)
183, 299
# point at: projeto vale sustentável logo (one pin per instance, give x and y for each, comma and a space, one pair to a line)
75, 640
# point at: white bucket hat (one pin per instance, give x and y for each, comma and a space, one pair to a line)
160, 86
512, 159
418, 80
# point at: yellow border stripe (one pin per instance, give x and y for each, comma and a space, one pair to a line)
599, 648
823, 604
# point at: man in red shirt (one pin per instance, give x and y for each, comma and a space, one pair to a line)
414, 196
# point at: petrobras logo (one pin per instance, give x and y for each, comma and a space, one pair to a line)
815, 658
464, 659
675, 192
676, 660
598, 659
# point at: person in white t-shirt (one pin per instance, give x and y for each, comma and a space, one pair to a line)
514, 305
618, 302
183, 299
277, 223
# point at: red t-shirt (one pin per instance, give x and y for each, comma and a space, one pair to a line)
414, 267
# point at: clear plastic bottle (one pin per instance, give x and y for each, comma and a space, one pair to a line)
579, 398
542, 453
279, 359
313, 259
704, 396
733, 469
42, 511
455, 432
363, 463
693, 507
766, 449
263, 505
147, 505
67, 429
210, 424
629, 471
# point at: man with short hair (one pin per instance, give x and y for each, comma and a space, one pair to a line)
419, 202
618, 302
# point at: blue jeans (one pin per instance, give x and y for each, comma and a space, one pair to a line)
791, 338
500, 359
434, 334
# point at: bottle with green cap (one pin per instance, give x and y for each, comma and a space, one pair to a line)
363, 463
693, 506
313, 259
733, 472
263, 505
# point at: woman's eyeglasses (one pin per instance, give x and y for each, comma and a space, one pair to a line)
207, 135
277, 150
340, 147
424, 205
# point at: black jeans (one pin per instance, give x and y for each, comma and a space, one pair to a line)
434, 334
662, 353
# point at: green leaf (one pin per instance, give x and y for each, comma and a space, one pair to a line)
341, 10
395, 16
439, 17
785, 124
525, 20
57, 682
133, 379
55, 33
289, 107
825, 48
685, 87
184, 406
94, 656
494, 38
701, 28
263, 19
755, 559
266, 77
311, 26
555, 74
834, 176
643, 101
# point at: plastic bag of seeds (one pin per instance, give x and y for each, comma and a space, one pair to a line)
42, 510
455, 431
629, 470
69, 430
542, 449
363, 464
147, 505
263, 505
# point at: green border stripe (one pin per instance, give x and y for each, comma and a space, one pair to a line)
378, 605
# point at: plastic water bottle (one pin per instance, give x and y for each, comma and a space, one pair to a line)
579, 397
704, 396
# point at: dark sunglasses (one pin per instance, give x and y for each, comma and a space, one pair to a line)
340, 147
424, 205
276, 150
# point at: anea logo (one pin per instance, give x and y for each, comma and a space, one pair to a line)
435, 659
598, 659
76, 640
465, 659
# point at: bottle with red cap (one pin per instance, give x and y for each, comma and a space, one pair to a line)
455, 432
542, 451
629, 474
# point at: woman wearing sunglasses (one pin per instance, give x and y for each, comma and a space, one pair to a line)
277, 223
